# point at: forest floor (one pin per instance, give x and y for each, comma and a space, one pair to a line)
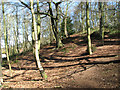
69, 67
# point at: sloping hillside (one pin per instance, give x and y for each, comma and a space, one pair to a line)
70, 66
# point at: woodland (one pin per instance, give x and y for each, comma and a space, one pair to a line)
59, 44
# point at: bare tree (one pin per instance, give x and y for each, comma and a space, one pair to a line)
42, 72
54, 22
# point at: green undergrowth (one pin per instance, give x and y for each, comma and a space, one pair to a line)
67, 49
114, 31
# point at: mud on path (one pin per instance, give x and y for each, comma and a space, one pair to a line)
68, 67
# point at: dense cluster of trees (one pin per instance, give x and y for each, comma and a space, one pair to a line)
28, 25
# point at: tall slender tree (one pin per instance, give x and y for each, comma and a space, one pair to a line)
38, 24
59, 42
93, 15
42, 72
101, 22
88, 29
51, 33
17, 31
1, 79
23, 37
5, 36
15, 39
65, 21
33, 35
83, 16
8, 33
54, 22
26, 35
105, 13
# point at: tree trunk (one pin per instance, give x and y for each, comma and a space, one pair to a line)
88, 29
24, 49
93, 20
42, 72
14, 45
5, 35
105, 6
26, 36
82, 17
17, 38
33, 36
38, 24
60, 44
55, 26
65, 21
101, 22
97, 16
1, 79
65, 28
51, 33
8, 33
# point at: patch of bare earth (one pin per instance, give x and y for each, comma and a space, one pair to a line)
68, 67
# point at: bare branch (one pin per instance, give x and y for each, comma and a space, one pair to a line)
25, 4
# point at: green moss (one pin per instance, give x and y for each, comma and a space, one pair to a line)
43, 74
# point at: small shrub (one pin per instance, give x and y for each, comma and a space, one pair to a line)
95, 35
114, 33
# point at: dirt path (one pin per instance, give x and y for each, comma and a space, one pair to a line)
69, 67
